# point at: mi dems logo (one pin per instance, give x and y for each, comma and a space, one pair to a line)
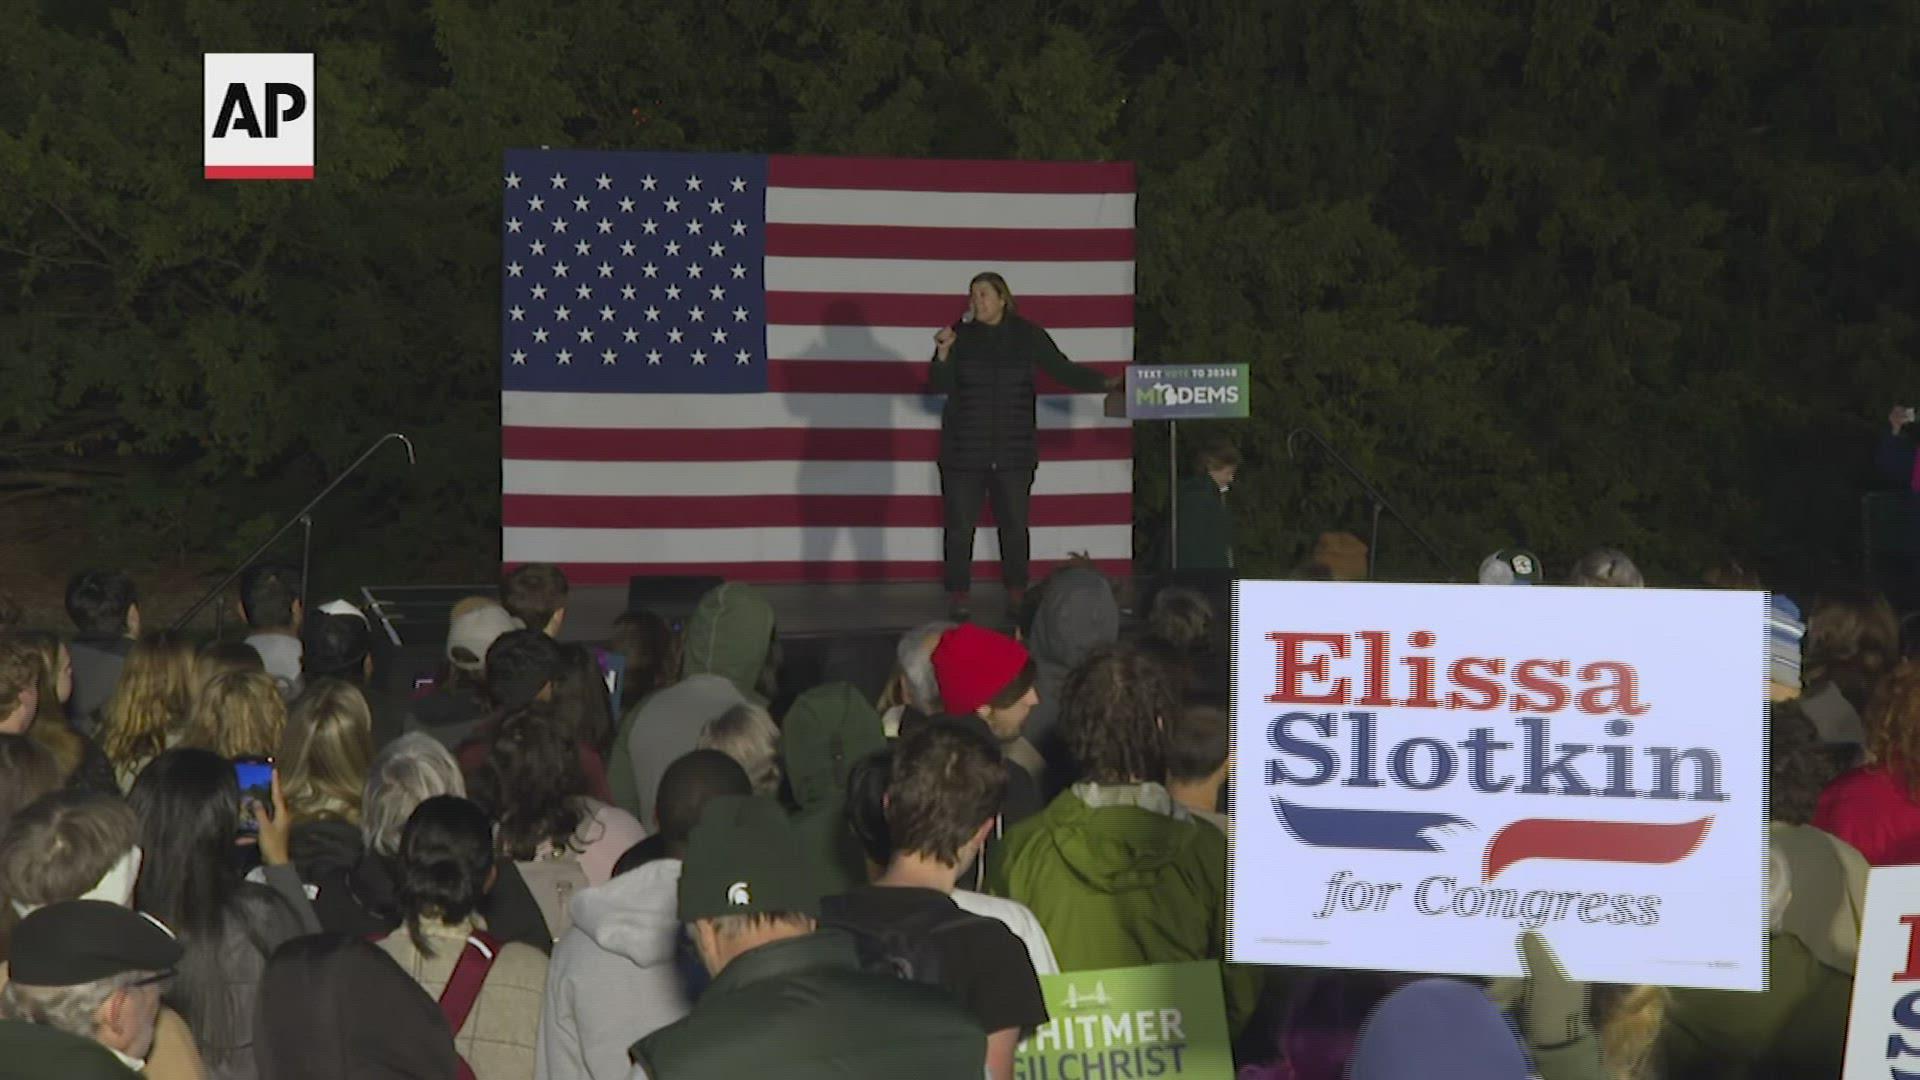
1167, 394
258, 121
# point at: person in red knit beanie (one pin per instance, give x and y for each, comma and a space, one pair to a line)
986, 674
987, 683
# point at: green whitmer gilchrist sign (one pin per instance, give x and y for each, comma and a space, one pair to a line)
1165, 1020
1187, 392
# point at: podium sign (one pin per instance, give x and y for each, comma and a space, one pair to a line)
1187, 392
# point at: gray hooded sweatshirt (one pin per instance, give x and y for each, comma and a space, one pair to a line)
727, 641
617, 975
1077, 615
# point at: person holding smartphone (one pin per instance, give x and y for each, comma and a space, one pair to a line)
986, 365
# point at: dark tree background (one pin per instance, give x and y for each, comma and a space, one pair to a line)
1555, 272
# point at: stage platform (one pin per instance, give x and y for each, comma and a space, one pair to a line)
828, 631
807, 610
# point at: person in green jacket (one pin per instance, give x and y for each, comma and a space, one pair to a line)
1118, 872
86, 979
827, 729
788, 998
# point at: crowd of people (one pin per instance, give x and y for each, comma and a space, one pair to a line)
516, 874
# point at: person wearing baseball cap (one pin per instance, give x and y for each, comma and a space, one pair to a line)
476, 624
86, 979
458, 702
782, 990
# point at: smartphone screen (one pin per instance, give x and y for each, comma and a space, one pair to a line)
256, 786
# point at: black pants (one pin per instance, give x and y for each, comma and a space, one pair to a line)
960, 491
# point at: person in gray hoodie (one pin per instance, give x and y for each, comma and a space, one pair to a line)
729, 659
1077, 615
623, 970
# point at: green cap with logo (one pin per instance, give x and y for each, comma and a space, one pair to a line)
743, 857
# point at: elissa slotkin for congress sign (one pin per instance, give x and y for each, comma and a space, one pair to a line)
1422, 772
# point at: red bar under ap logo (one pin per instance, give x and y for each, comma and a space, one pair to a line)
259, 118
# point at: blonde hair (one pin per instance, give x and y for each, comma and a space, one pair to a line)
151, 701
1630, 1019
238, 714
50, 728
327, 752
747, 734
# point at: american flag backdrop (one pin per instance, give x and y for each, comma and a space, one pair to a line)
717, 363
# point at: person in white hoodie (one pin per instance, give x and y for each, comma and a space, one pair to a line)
623, 970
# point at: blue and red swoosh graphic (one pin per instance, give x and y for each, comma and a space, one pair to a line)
1528, 838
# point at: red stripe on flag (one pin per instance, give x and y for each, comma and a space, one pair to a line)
918, 309
884, 376
1593, 841
904, 174
786, 511
902, 242
806, 572
258, 172
782, 444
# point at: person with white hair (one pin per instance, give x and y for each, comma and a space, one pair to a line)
913, 685
747, 734
85, 992
97, 837
360, 898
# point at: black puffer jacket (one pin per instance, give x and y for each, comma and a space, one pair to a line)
988, 378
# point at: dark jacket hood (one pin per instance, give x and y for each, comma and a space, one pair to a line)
37, 1052
1117, 849
827, 729
1077, 615
729, 635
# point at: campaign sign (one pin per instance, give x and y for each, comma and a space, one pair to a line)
1422, 772
1158, 1021
1883, 1028
1187, 392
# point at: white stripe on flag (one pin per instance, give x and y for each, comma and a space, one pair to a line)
894, 343
929, 277
948, 209
811, 544
693, 479
756, 412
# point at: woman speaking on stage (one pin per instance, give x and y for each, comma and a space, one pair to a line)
985, 364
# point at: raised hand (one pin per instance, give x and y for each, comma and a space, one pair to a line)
276, 827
